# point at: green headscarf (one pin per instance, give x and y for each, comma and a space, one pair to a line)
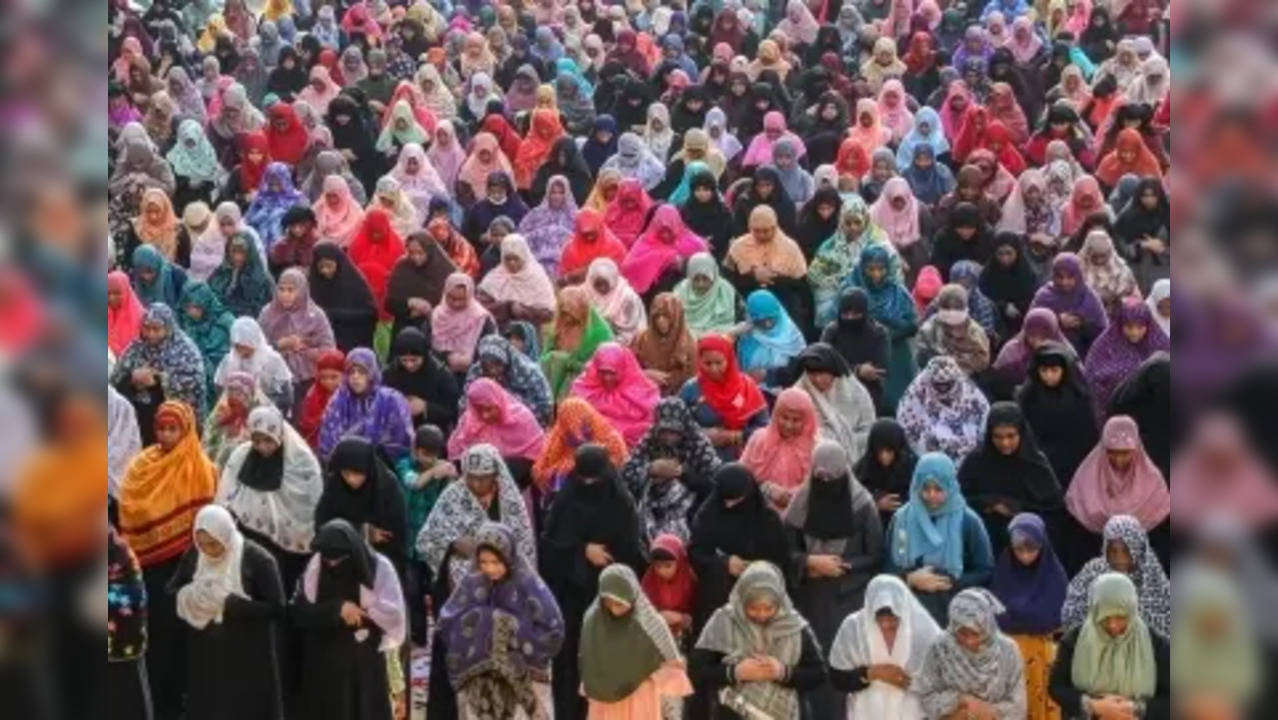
715, 311
562, 367
837, 257
1105, 665
618, 653
392, 135
212, 332
1223, 661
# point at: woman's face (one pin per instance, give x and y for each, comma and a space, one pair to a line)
327, 268
1051, 375
866, 119
1135, 332
885, 456
1118, 557
932, 495
1165, 307
887, 622
1064, 282
357, 380
969, 639
167, 434
665, 569
601, 285
457, 298
481, 485
701, 284
614, 606
238, 256
227, 225
557, 195
821, 380
492, 369
1120, 460
1127, 155
354, 479
1115, 625
1149, 199
513, 263
329, 379
1026, 553
789, 423
713, 364
760, 611
882, 171
609, 379
662, 323
1006, 439
922, 161
489, 414
491, 565
263, 444
703, 194
286, 293
496, 191
763, 233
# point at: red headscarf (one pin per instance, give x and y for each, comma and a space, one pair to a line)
287, 145
316, 400
679, 592
971, 134
1112, 168
579, 252
543, 131
926, 287
999, 140
852, 159
921, 55
123, 323
735, 396
406, 91
251, 172
628, 211
506, 136
374, 250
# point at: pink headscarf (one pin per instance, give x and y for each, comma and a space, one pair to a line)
530, 286
760, 150
666, 241
515, 433
629, 406
1099, 492
337, 224
1220, 474
318, 99
123, 324
457, 331
359, 19
896, 118
784, 461
902, 226
873, 137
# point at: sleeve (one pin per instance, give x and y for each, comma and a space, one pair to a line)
265, 589
978, 556
937, 699
707, 670
184, 572
1060, 686
1013, 705
845, 675
809, 673
863, 560
385, 604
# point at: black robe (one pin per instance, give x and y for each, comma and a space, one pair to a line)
860, 341
379, 502
232, 668
892, 479
346, 299
1146, 396
432, 382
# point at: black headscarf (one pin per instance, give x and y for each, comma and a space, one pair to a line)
749, 529
859, 341
830, 513
378, 501
565, 159
711, 220
284, 82
337, 541
1016, 284
431, 382
1146, 396
948, 248
1135, 221
684, 118
779, 200
262, 473
813, 229
1062, 417
346, 299
1025, 479
821, 357
887, 433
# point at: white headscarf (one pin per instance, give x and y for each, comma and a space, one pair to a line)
859, 643
1159, 292
266, 364
123, 438
202, 600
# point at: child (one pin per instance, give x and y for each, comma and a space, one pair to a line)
424, 474
671, 585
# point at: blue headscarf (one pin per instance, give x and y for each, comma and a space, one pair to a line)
935, 138
568, 65
931, 537
160, 290
774, 347
267, 210
595, 152
931, 184
690, 171
1033, 595
890, 302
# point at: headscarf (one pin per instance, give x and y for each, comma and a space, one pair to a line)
714, 311
782, 254
1106, 665
163, 490
994, 672
943, 410
202, 600
716, 126
1112, 279
392, 134
338, 224
1099, 491
476, 171
860, 644
379, 414
934, 136
929, 536
627, 214
577, 422
514, 432
798, 24
192, 155
1113, 167
176, 358
455, 331
732, 633
161, 234
522, 376
678, 593
761, 147
734, 397
768, 57
124, 323
837, 256
375, 257
446, 156
774, 347
544, 129
629, 405
1152, 585
269, 205
889, 301
636, 161
1113, 358
1033, 594
901, 226
784, 462
265, 365
664, 244
546, 228
621, 306
1040, 326
530, 286
1158, 292
1081, 301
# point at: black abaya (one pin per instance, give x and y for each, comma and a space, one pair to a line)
346, 299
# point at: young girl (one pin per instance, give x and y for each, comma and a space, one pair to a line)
671, 585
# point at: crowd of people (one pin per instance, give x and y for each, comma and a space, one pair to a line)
722, 359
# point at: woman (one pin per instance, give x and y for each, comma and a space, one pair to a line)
161, 364
208, 325
1009, 281
726, 402
879, 652
429, 389
1143, 229
845, 410
415, 286
499, 601
124, 312
341, 291
492, 416
518, 288
705, 212
251, 353
1105, 271
544, 129
1077, 307
840, 541
757, 653
1130, 156
155, 279
350, 610
973, 668
952, 331
298, 328
156, 225
616, 301
860, 341
628, 212
710, 301
1030, 582
592, 240
654, 260
226, 426
1119, 478
891, 306
1009, 475
772, 341
577, 331
242, 282
1131, 338
1125, 549
162, 490
458, 322
126, 689
592, 524
577, 422
943, 410
275, 195
517, 373
272, 484
549, 226
228, 590
363, 408
631, 667
886, 468
360, 488
1114, 663
781, 455
1057, 405
617, 387
666, 349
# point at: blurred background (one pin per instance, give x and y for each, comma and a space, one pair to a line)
1222, 395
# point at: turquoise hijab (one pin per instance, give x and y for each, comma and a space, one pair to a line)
926, 536
771, 347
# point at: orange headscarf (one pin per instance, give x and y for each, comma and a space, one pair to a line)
576, 423
163, 490
1112, 168
544, 130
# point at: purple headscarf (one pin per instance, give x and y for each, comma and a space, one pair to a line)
547, 229
1034, 595
1014, 359
379, 415
1081, 301
532, 628
1113, 357
267, 210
